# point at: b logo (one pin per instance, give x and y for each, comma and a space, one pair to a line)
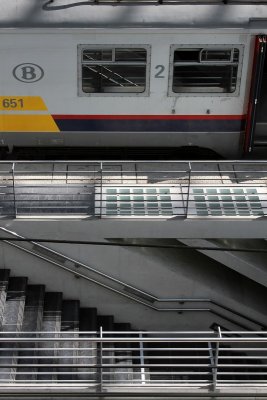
28, 73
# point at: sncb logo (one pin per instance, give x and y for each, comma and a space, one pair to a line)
28, 73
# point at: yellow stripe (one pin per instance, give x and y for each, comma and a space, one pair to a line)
22, 103
27, 123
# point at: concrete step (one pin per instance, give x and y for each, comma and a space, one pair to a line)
32, 321
28, 308
69, 324
88, 350
4, 276
12, 322
51, 323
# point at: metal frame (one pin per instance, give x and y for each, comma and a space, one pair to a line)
205, 92
30, 192
82, 47
198, 362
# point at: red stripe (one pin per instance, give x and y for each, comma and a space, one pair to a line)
152, 117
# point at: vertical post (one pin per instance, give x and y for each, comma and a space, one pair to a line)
188, 189
101, 188
216, 360
14, 191
142, 360
101, 361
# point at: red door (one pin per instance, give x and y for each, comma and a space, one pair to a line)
256, 81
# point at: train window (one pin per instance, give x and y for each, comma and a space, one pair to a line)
205, 70
113, 70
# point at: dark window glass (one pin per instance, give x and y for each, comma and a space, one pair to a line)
113, 78
205, 70
97, 55
119, 70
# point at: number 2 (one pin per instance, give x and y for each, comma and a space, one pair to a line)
160, 69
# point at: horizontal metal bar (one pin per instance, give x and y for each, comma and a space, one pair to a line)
137, 340
105, 162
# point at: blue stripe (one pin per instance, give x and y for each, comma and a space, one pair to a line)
120, 125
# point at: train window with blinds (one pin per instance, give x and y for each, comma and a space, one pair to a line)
205, 70
107, 70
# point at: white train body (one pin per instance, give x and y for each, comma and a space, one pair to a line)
48, 97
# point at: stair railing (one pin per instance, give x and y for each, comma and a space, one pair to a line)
130, 292
176, 361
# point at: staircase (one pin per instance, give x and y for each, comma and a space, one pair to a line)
52, 345
46, 315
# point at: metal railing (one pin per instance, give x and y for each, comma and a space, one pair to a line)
122, 288
135, 361
50, 5
117, 189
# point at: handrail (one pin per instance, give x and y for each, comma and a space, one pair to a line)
134, 362
139, 293
86, 162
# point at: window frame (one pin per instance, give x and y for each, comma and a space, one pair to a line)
175, 47
82, 47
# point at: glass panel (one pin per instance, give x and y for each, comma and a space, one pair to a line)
164, 191
238, 191
111, 190
166, 205
253, 198
255, 205
139, 205
112, 212
151, 191
97, 55
202, 213
214, 205
211, 191
201, 205
225, 191
139, 212
241, 205
125, 212
230, 212
152, 212
125, 205
227, 198
186, 55
215, 212
199, 198
112, 206
257, 212
244, 212
112, 78
228, 205
251, 191
213, 198
216, 55
204, 78
130, 55
198, 191
152, 205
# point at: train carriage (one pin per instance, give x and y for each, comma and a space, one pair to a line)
134, 76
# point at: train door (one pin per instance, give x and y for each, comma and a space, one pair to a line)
256, 126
